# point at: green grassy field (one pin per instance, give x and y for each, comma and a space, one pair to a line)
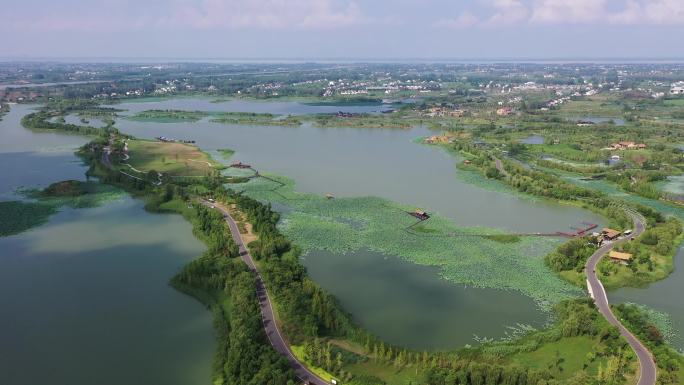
167, 116
298, 351
388, 373
596, 106
176, 159
573, 351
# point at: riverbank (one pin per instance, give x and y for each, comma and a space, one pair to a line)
661, 242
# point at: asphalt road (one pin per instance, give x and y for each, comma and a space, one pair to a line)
648, 369
270, 325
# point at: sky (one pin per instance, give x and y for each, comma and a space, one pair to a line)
342, 29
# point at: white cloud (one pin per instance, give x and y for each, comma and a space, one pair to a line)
507, 12
197, 14
464, 20
567, 11
659, 12
266, 14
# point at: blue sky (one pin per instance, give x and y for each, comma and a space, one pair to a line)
321, 29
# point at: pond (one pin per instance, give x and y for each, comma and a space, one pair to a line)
85, 297
662, 296
598, 120
533, 139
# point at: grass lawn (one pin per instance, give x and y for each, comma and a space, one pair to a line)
572, 276
168, 116
387, 373
572, 350
298, 351
675, 102
623, 276
176, 159
593, 107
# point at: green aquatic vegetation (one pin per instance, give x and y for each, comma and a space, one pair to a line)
614, 191
661, 320
17, 216
464, 255
167, 116
226, 153
75, 194
251, 118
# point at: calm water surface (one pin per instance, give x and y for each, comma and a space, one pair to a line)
352, 162
85, 297
237, 105
407, 305
664, 296
401, 302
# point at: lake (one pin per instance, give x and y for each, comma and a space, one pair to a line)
406, 305
242, 105
85, 297
353, 162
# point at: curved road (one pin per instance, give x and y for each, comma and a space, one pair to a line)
270, 325
648, 369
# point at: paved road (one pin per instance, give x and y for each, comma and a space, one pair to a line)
270, 325
648, 370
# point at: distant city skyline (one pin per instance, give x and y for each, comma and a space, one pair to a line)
343, 29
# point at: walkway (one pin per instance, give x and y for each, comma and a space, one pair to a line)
647, 366
270, 325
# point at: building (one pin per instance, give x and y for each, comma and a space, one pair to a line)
626, 145
420, 214
618, 257
610, 234
240, 165
505, 111
677, 89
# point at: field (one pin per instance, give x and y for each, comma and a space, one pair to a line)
388, 373
168, 116
175, 159
573, 352
349, 224
603, 107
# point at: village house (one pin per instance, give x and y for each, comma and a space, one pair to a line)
677, 88
610, 234
626, 145
445, 111
618, 257
420, 214
439, 139
505, 111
